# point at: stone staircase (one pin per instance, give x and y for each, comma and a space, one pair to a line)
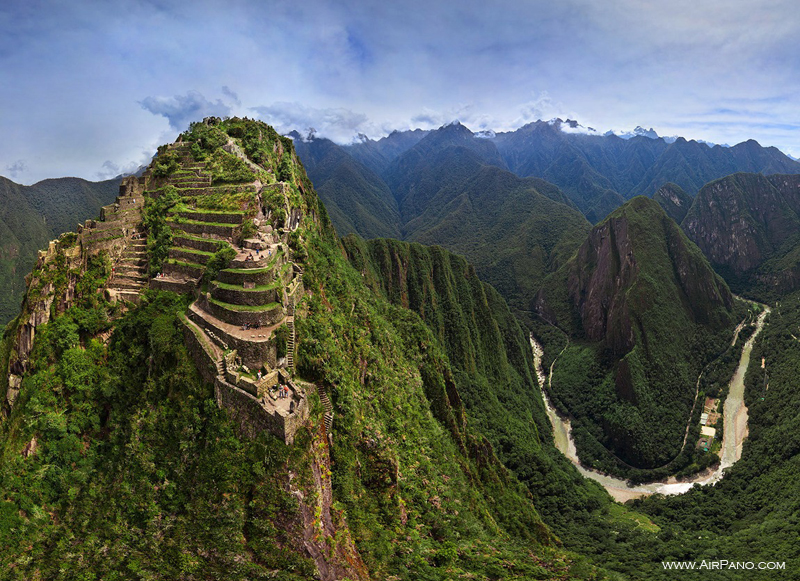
290, 343
326, 403
130, 274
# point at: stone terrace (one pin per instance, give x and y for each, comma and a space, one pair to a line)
231, 325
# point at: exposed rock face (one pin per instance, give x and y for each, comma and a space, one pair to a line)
603, 269
605, 277
674, 200
744, 219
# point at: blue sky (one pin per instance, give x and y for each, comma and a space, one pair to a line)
91, 88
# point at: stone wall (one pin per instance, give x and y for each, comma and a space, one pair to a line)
252, 352
182, 270
264, 318
203, 355
207, 245
185, 287
252, 418
232, 218
188, 256
258, 277
203, 229
241, 296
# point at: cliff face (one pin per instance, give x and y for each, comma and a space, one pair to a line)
610, 277
603, 270
642, 306
674, 200
742, 220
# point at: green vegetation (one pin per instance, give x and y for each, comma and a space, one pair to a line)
129, 461
166, 163
281, 335
159, 234
223, 200
248, 229
205, 138
646, 314
225, 167
220, 260
360, 345
751, 514
492, 365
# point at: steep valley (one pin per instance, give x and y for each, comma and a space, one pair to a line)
207, 382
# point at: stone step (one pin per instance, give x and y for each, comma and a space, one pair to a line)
213, 217
190, 255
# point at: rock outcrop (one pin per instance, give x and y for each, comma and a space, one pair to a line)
742, 220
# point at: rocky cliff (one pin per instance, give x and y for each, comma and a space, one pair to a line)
638, 298
743, 220
674, 200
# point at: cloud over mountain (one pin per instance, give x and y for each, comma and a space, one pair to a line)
180, 110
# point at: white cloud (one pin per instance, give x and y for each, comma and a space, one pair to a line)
17, 168
180, 110
337, 124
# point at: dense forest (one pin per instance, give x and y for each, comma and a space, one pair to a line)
117, 463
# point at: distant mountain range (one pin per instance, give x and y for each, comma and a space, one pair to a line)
597, 172
449, 188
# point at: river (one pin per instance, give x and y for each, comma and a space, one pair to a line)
735, 432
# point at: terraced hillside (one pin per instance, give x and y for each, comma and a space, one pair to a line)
210, 236
173, 429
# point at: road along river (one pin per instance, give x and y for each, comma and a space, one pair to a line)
735, 432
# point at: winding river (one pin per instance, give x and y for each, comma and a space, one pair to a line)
735, 432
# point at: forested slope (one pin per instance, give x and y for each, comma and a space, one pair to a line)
116, 462
30, 216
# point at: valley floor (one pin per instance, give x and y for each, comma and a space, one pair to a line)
735, 432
